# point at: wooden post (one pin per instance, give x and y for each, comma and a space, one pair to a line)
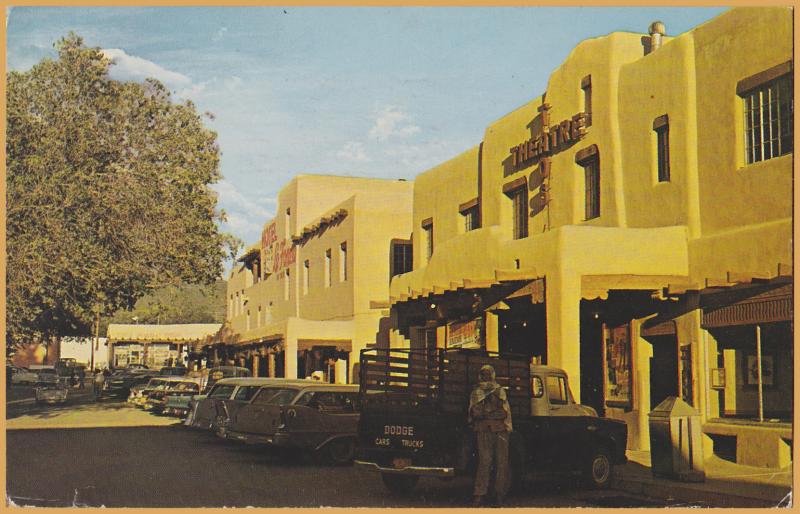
760, 381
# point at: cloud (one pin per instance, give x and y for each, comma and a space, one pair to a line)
235, 202
218, 35
353, 151
130, 67
391, 121
208, 88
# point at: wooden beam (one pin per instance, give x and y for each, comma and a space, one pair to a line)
378, 304
784, 270
439, 289
457, 285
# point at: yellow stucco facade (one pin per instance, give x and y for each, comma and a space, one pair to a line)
641, 279
317, 285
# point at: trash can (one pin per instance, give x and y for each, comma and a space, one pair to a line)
676, 441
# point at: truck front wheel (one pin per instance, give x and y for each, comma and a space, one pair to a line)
399, 484
599, 469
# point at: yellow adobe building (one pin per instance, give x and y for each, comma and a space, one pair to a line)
314, 291
632, 225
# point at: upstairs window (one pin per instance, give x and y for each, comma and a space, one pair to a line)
401, 257
427, 228
768, 113
328, 268
517, 191
589, 159
343, 262
306, 266
471, 214
661, 128
586, 86
286, 277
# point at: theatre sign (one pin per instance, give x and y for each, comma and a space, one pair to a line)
276, 255
552, 140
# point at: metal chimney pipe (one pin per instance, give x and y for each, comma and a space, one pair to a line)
657, 33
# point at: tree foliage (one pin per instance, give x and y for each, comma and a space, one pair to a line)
185, 303
107, 194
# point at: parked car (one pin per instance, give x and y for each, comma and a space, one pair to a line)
173, 371
139, 392
302, 415
47, 377
51, 393
212, 375
226, 396
120, 382
23, 376
157, 399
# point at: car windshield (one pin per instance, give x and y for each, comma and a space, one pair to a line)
155, 382
183, 386
221, 391
274, 396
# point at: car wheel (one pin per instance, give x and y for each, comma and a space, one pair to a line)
399, 484
599, 469
341, 451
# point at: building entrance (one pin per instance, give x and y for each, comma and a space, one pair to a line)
523, 329
664, 374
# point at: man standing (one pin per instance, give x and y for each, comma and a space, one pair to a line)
490, 415
99, 380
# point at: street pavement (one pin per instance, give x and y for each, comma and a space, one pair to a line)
173, 466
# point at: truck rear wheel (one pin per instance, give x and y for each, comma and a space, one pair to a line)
399, 484
599, 469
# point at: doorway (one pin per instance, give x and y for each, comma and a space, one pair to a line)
664, 374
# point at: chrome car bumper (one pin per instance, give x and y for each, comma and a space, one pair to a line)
408, 470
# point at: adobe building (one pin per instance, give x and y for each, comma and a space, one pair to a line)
632, 225
315, 290
156, 346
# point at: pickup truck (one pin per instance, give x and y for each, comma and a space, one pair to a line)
414, 418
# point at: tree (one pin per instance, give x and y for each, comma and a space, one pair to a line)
107, 194
185, 303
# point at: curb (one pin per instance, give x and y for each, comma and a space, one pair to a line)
704, 497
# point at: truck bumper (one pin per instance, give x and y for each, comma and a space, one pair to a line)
408, 470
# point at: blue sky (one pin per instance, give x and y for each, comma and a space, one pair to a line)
364, 91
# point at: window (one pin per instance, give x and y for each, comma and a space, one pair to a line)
557, 390
274, 396
343, 262
286, 277
586, 86
589, 159
661, 128
221, 391
536, 387
471, 213
401, 258
328, 269
471, 220
244, 393
248, 319
258, 317
427, 228
306, 266
768, 117
517, 191
237, 305
288, 221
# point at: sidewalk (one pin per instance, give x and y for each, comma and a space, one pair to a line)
727, 484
